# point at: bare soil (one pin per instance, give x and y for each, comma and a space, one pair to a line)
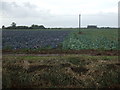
54, 51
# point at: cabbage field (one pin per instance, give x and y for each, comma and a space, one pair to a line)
103, 39
32, 39
60, 58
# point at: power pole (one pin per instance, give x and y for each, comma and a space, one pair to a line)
79, 21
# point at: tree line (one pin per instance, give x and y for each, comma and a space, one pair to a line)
14, 26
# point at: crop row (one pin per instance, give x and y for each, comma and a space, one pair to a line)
32, 39
82, 41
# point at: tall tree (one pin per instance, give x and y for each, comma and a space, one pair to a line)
13, 25
3, 27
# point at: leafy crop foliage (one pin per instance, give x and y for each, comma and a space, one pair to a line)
103, 39
32, 39
98, 39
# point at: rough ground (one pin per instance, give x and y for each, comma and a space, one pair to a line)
54, 51
67, 71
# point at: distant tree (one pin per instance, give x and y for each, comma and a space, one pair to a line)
34, 26
3, 27
22, 27
37, 27
41, 27
13, 25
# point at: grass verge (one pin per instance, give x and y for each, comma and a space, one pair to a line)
67, 71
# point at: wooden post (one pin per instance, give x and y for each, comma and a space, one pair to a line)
79, 21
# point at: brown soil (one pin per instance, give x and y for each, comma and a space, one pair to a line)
55, 51
49, 72
32, 68
79, 69
65, 65
80, 32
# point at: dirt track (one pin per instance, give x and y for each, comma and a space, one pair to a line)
62, 52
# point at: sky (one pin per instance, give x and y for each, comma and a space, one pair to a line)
119, 14
59, 13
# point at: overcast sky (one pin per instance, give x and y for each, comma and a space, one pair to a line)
59, 13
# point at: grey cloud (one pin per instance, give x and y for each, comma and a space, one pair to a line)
29, 5
69, 21
14, 10
101, 19
119, 14
27, 14
106, 19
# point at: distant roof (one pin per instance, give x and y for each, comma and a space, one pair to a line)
92, 25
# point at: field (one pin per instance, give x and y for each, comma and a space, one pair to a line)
64, 58
32, 39
102, 39
62, 71
97, 39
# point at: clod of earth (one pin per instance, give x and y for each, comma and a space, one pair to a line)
33, 68
79, 69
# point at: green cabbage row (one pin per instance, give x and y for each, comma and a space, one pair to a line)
82, 41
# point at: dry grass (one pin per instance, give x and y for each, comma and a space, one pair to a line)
67, 71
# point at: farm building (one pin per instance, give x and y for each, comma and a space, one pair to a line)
92, 26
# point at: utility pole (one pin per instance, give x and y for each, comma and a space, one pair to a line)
79, 22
